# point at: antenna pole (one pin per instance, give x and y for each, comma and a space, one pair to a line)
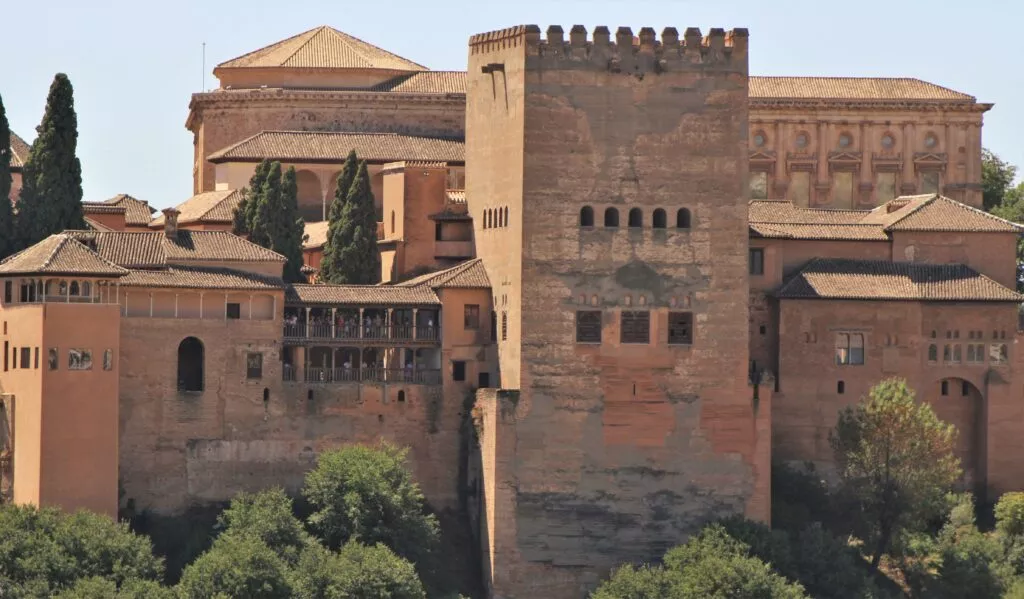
202, 88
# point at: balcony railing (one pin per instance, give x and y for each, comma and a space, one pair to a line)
372, 375
355, 332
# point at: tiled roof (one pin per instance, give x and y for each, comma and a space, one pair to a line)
60, 254
153, 249
206, 207
322, 48
199, 277
878, 280
936, 213
136, 211
101, 208
850, 88
468, 275
96, 226
19, 151
381, 295
782, 211
426, 82
301, 146
316, 235
822, 232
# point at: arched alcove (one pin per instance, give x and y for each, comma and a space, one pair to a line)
190, 365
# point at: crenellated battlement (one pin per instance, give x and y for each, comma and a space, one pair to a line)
624, 49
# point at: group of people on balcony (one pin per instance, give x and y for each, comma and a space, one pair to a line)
346, 325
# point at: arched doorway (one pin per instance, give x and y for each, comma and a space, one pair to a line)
190, 365
959, 402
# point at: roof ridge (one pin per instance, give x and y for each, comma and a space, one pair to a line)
316, 31
95, 254
60, 243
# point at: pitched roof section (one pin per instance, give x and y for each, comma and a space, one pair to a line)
322, 48
937, 213
362, 295
96, 225
60, 254
878, 280
19, 151
851, 88
329, 146
154, 250
780, 219
214, 207
426, 82
136, 211
468, 275
316, 235
202, 278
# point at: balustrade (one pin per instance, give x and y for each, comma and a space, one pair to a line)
351, 332
411, 376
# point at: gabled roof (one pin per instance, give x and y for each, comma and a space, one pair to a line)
425, 82
60, 254
207, 207
136, 211
851, 88
96, 225
781, 219
933, 212
19, 151
322, 48
152, 249
467, 275
362, 295
201, 277
330, 146
842, 279
316, 235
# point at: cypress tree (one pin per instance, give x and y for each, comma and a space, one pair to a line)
358, 258
262, 227
330, 262
245, 213
292, 228
7, 244
51, 196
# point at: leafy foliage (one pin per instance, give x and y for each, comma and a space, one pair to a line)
996, 179
266, 516
7, 230
51, 194
44, 551
95, 587
366, 494
236, 566
245, 213
354, 259
269, 215
895, 461
330, 263
357, 572
1010, 515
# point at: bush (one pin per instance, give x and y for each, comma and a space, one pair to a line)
1010, 515
94, 588
799, 497
236, 566
266, 516
357, 572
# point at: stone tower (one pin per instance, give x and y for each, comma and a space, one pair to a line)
607, 186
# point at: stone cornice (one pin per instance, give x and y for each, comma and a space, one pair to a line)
873, 105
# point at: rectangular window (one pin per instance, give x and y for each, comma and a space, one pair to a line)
885, 187
7, 351
930, 182
234, 311
680, 328
458, 370
799, 188
756, 261
35, 362
254, 366
8, 292
494, 326
588, 326
842, 189
79, 359
636, 327
483, 380
26, 358
437, 232
108, 359
758, 185
14, 358
849, 349
52, 358
957, 354
471, 318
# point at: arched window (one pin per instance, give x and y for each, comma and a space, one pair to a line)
586, 216
498, 216
266, 395
486, 224
611, 217
841, 387
190, 365
933, 353
401, 396
636, 218
392, 222
505, 220
63, 288
683, 219
86, 289
660, 221
75, 289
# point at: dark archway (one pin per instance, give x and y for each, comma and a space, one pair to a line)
190, 365
611, 217
636, 218
586, 216
659, 220
683, 219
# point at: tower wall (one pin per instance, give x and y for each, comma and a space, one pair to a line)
622, 449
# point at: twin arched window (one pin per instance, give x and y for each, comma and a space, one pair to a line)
659, 218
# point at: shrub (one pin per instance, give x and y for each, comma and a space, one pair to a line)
1010, 515
266, 516
236, 566
357, 572
94, 588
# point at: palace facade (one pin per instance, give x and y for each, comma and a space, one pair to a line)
620, 276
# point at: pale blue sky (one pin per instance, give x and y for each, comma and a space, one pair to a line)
134, 66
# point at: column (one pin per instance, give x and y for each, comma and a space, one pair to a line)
306, 333
334, 323
389, 322
225, 306
201, 305
362, 326
151, 304
908, 183
865, 165
415, 324
300, 364
175, 305
250, 306
780, 180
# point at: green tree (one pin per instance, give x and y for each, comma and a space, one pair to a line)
366, 494
95, 587
236, 566
330, 263
356, 572
266, 516
45, 551
290, 229
245, 213
51, 194
997, 178
895, 461
1012, 209
356, 260
7, 230
265, 211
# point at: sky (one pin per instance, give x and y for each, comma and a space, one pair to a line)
134, 67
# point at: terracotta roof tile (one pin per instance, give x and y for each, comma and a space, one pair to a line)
426, 82
101, 208
136, 211
207, 207
851, 88
468, 275
381, 295
301, 146
782, 211
96, 226
322, 48
938, 213
60, 254
878, 280
316, 235
823, 232
19, 151
200, 278
153, 250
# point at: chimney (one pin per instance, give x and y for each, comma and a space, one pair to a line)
171, 223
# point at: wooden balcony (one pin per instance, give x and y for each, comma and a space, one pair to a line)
356, 335
338, 376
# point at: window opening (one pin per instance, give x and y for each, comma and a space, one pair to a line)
588, 326
680, 328
636, 327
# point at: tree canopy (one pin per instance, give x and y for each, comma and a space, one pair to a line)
997, 178
356, 572
7, 230
330, 263
51, 194
269, 215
